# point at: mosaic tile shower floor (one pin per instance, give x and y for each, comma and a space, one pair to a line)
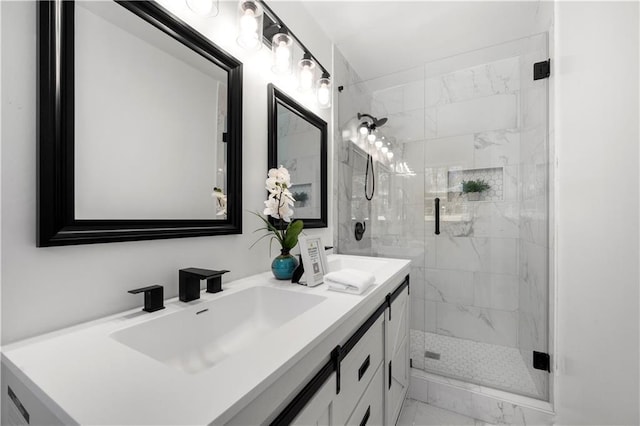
481, 363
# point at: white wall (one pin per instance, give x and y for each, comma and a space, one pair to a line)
596, 87
48, 288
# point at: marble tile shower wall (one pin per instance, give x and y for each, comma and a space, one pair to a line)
534, 245
349, 162
484, 277
465, 279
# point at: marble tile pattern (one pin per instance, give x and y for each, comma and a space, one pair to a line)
484, 278
474, 401
417, 413
497, 366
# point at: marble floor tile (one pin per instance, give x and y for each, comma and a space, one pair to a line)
416, 413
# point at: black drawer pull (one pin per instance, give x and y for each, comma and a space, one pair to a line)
363, 368
366, 416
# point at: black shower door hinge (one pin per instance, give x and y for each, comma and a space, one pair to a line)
542, 69
541, 361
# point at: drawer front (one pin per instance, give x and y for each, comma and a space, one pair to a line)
369, 410
358, 368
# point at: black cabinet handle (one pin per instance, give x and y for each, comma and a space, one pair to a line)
390, 376
436, 208
366, 417
363, 368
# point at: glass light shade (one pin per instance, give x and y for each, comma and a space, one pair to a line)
281, 49
250, 25
378, 144
205, 8
371, 138
389, 155
363, 129
307, 68
324, 92
384, 149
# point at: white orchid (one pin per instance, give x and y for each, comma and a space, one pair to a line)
280, 200
222, 201
278, 205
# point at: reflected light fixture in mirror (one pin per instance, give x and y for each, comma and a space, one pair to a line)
250, 17
204, 8
307, 67
324, 91
281, 48
363, 129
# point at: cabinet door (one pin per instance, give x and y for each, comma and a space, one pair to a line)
319, 411
397, 356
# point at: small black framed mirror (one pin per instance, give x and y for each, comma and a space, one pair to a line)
298, 141
140, 126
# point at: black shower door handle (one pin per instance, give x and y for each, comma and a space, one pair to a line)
436, 209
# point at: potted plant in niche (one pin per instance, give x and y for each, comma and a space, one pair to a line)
473, 188
278, 205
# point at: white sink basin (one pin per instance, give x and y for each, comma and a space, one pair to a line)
196, 339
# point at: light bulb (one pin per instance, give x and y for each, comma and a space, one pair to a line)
248, 36
364, 129
307, 66
371, 138
248, 22
203, 7
389, 155
306, 78
384, 149
323, 94
283, 56
378, 144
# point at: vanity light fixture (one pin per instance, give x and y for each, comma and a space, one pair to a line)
282, 48
324, 91
204, 8
250, 17
371, 137
306, 67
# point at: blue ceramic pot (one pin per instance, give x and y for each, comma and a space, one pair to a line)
284, 265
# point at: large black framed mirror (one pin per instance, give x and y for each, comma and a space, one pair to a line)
298, 141
140, 126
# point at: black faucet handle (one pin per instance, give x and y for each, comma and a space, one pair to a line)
204, 274
153, 297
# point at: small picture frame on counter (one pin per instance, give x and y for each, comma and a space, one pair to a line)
314, 260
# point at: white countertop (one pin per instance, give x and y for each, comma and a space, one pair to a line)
91, 378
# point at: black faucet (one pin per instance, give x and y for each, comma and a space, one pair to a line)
189, 281
153, 297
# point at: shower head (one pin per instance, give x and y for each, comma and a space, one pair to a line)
375, 122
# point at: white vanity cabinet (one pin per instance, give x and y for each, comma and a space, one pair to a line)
371, 376
397, 355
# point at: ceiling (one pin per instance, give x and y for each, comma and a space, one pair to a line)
383, 37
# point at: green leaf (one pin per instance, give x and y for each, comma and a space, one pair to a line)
291, 235
270, 228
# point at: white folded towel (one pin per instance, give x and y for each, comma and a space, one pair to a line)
349, 281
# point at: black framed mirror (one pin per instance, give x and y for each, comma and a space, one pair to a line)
139, 119
298, 141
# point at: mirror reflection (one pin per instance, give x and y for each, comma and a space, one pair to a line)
150, 119
298, 141
298, 151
